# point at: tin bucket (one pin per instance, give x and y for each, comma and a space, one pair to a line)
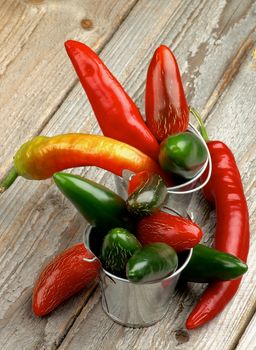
186, 188
134, 304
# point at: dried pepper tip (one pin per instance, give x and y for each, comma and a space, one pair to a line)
8, 180
201, 123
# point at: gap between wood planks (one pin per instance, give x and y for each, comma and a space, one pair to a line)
243, 329
228, 75
89, 293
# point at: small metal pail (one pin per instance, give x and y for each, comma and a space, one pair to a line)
134, 304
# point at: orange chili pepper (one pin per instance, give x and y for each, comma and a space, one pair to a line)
41, 157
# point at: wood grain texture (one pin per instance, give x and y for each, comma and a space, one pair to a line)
37, 222
247, 341
36, 75
35, 72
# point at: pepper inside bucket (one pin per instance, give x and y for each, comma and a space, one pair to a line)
134, 304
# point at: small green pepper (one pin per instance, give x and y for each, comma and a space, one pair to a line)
100, 206
152, 262
182, 154
117, 248
148, 196
209, 264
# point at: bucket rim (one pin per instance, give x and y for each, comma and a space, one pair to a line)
124, 280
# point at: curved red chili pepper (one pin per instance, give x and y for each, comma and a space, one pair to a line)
117, 114
212, 302
225, 190
166, 107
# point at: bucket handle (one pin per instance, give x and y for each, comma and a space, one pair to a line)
127, 174
90, 260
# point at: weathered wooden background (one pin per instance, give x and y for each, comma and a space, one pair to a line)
214, 42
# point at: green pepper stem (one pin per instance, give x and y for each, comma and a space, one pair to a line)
8, 180
201, 123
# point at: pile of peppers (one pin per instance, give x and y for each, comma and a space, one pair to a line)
159, 152
131, 231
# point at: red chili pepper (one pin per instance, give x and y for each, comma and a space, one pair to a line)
167, 111
180, 233
63, 277
225, 190
137, 180
117, 114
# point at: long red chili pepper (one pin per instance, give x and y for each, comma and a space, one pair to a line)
225, 190
115, 111
166, 106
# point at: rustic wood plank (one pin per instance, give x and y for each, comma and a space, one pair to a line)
23, 26
34, 70
36, 222
231, 71
247, 341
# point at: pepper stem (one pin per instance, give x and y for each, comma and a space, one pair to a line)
8, 180
200, 122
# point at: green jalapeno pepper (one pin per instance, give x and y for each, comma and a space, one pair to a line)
152, 262
118, 246
209, 264
182, 154
148, 196
100, 206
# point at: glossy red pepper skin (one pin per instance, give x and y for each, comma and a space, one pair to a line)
117, 114
166, 107
179, 233
225, 190
137, 180
63, 277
